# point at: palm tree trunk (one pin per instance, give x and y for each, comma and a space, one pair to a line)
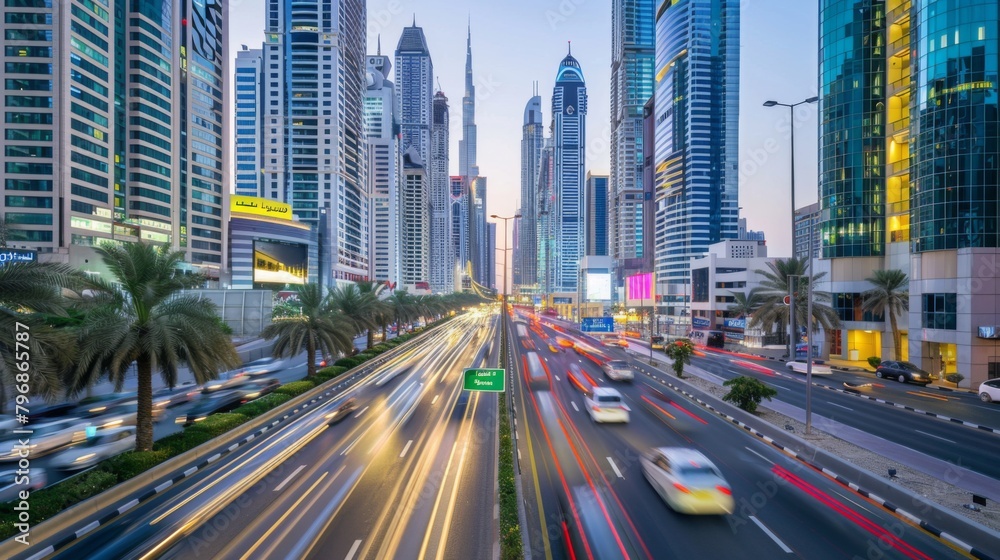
897, 339
371, 339
385, 332
310, 356
144, 415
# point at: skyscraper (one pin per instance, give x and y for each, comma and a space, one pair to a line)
479, 249
526, 249
633, 60
460, 226
115, 129
546, 230
597, 215
382, 133
249, 99
569, 116
442, 263
467, 144
414, 239
314, 143
491, 262
415, 91
697, 141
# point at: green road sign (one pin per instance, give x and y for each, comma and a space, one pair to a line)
484, 380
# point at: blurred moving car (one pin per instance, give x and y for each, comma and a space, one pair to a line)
687, 481
347, 406
590, 535
578, 378
264, 366
98, 404
258, 388
618, 370
50, 412
107, 443
11, 483
167, 397
226, 382
989, 391
121, 414
219, 401
554, 346
904, 372
817, 369
606, 405
46, 438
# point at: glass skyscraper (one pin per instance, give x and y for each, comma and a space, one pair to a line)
597, 215
249, 100
569, 117
696, 132
442, 265
526, 249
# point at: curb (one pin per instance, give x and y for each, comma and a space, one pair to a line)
844, 481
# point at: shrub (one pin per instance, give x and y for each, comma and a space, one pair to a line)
133, 463
53, 500
178, 443
332, 371
955, 378
346, 363
218, 424
259, 406
680, 352
747, 392
874, 361
295, 388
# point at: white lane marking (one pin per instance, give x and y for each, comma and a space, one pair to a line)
615, 467
349, 447
840, 405
759, 455
772, 535
574, 406
405, 449
360, 413
934, 436
289, 479
557, 378
435, 399
354, 550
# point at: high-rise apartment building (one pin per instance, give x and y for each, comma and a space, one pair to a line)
115, 128
546, 230
382, 132
569, 117
807, 232
249, 101
908, 135
314, 148
597, 215
479, 251
415, 91
633, 60
697, 141
526, 249
460, 227
442, 265
414, 240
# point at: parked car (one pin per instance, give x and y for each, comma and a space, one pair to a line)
46, 438
989, 391
107, 443
606, 405
618, 370
12, 483
219, 401
817, 369
687, 481
264, 366
903, 372
347, 406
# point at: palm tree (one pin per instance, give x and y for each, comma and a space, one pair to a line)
317, 328
377, 309
29, 293
403, 307
354, 305
890, 295
144, 317
745, 303
773, 311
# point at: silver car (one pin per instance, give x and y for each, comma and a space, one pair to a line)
618, 370
45, 438
687, 481
264, 366
107, 443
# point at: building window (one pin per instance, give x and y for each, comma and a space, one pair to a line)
939, 311
849, 308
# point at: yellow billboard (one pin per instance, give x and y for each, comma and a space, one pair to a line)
260, 206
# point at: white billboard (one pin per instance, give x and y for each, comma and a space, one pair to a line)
598, 286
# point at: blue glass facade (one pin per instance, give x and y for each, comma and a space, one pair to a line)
569, 114
597, 215
955, 125
248, 99
696, 131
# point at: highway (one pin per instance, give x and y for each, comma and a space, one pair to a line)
586, 496
410, 473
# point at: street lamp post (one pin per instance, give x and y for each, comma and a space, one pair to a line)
791, 114
505, 220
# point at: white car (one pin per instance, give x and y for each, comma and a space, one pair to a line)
264, 366
618, 370
107, 443
606, 405
800, 367
687, 481
989, 391
46, 437
11, 483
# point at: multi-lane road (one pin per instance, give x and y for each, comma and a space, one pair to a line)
578, 474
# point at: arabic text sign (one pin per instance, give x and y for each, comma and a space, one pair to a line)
260, 206
484, 380
598, 324
17, 255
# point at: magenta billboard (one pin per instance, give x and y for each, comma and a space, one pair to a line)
639, 289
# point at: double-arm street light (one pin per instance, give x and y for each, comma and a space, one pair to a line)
505, 220
792, 339
791, 114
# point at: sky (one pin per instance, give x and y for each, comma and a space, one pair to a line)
518, 42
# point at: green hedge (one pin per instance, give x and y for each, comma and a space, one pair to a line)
178, 443
220, 423
259, 406
295, 388
347, 363
51, 501
332, 371
133, 463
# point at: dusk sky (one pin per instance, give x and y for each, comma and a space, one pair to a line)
517, 42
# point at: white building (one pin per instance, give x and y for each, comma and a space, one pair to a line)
729, 267
381, 123
414, 238
442, 263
